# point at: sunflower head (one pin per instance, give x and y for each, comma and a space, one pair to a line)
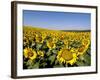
86, 42
39, 38
65, 42
51, 44
82, 49
40, 53
43, 35
65, 56
30, 53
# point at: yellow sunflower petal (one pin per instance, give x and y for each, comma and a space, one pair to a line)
40, 53
30, 53
65, 56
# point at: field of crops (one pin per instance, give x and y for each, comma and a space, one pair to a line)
44, 48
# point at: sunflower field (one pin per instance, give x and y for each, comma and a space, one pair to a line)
44, 48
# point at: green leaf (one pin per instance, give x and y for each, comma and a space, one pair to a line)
87, 59
38, 46
49, 53
58, 65
80, 63
43, 64
56, 62
29, 62
84, 60
54, 51
81, 57
36, 65
59, 43
52, 58
33, 44
30, 67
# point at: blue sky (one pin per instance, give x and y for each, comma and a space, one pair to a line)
57, 20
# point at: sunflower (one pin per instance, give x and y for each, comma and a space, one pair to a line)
40, 53
84, 47
65, 43
86, 42
30, 53
39, 38
51, 44
65, 56
82, 50
43, 35
74, 50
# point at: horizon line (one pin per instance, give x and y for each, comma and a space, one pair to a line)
53, 29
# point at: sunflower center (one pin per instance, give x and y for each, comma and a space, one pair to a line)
67, 55
51, 44
81, 49
30, 54
39, 38
86, 42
